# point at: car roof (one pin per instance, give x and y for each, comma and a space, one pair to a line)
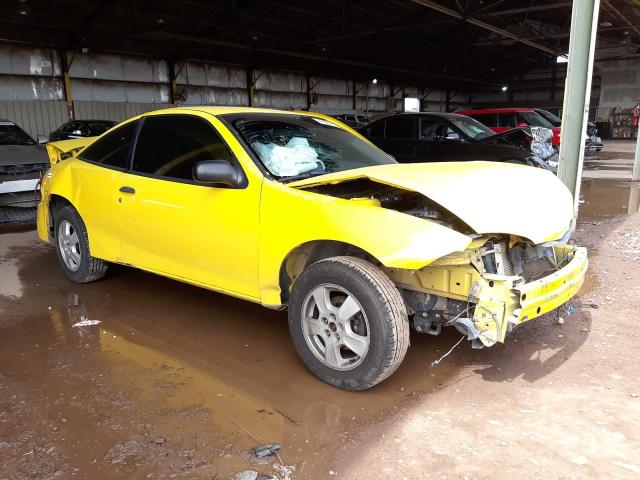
90, 121
497, 110
222, 110
6, 120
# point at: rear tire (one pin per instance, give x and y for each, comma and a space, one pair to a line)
72, 245
348, 322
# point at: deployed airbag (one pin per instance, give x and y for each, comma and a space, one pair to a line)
294, 158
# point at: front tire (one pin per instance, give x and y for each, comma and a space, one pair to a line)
72, 246
348, 322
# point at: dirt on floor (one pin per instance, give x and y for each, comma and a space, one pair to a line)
138, 376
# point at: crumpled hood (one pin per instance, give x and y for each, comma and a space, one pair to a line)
490, 197
22, 154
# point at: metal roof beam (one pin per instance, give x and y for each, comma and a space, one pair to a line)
479, 23
616, 13
532, 8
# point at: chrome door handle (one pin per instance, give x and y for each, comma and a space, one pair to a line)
127, 190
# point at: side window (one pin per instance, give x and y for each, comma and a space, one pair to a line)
434, 129
170, 145
402, 126
376, 130
112, 149
507, 120
68, 127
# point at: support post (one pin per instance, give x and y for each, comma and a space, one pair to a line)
575, 109
636, 162
554, 76
447, 102
250, 85
354, 98
172, 83
66, 65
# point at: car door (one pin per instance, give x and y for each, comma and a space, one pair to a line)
440, 141
173, 225
400, 132
96, 180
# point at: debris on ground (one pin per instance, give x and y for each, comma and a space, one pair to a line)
253, 475
86, 323
266, 450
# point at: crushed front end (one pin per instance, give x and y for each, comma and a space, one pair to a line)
493, 286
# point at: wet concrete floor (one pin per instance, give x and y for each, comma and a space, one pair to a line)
179, 382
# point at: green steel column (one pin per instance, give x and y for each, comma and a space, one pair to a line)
577, 92
636, 162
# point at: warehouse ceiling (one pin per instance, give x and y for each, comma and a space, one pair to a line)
453, 43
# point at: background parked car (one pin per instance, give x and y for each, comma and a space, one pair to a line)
22, 163
448, 137
353, 120
502, 119
81, 128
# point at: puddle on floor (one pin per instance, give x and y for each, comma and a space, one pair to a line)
209, 375
606, 199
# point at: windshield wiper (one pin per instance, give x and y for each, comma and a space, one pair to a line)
301, 176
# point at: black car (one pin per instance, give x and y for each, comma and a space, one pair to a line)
448, 137
81, 128
352, 119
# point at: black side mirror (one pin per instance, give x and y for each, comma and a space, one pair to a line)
218, 172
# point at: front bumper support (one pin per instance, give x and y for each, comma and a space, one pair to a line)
506, 302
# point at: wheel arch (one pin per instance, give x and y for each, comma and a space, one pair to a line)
56, 202
313, 251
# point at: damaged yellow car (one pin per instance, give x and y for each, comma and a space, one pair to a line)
297, 210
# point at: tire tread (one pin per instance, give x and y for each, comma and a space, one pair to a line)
95, 267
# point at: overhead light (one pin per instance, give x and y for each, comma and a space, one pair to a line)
160, 21
626, 32
374, 81
84, 49
606, 23
562, 59
22, 12
504, 88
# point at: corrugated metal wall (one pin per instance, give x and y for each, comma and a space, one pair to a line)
36, 117
112, 110
118, 86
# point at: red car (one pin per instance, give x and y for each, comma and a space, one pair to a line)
502, 119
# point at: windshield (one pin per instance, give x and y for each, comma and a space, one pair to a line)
536, 120
472, 128
11, 134
549, 116
291, 147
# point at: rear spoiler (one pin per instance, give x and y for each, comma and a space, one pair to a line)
64, 149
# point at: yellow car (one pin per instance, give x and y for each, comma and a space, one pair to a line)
296, 210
